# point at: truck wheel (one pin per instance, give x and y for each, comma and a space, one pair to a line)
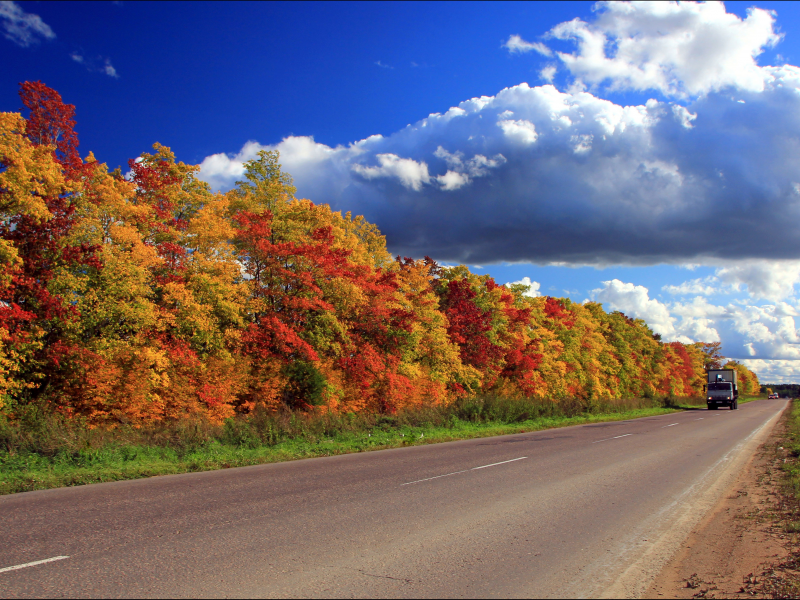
736, 405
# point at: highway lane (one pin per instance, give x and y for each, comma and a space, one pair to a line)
578, 511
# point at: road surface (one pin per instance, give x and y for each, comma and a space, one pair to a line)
589, 510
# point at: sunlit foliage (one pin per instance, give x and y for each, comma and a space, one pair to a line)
146, 297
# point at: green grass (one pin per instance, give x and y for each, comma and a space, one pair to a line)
40, 452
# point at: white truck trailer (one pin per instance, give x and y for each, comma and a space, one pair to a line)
722, 389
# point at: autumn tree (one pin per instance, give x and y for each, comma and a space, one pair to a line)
150, 299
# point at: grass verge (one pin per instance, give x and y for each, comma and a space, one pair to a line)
40, 451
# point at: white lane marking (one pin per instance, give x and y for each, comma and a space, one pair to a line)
500, 463
672, 425
616, 437
437, 477
700, 419
33, 564
464, 471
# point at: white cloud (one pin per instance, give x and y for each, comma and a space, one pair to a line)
635, 301
774, 371
765, 338
109, 69
520, 131
548, 73
676, 48
412, 174
767, 279
533, 287
461, 172
772, 280
452, 180
572, 178
760, 336
97, 64
704, 287
515, 43
581, 143
548, 176
683, 115
23, 28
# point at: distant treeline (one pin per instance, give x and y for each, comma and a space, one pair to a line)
791, 390
151, 298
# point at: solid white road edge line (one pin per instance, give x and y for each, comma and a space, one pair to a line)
33, 564
616, 437
464, 471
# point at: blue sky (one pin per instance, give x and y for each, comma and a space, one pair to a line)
655, 175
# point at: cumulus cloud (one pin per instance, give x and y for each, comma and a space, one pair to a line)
774, 371
761, 336
515, 43
764, 332
548, 73
548, 176
772, 280
410, 173
537, 174
533, 287
519, 131
635, 301
704, 287
676, 48
23, 28
460, 171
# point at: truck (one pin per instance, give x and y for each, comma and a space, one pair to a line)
722, 389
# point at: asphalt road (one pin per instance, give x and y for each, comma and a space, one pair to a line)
579, 511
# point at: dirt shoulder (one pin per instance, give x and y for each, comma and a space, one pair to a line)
736, 550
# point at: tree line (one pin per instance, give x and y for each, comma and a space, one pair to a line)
149, 297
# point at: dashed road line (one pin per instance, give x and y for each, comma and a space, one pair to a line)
32, 564
465, 470
616, 437
671, 425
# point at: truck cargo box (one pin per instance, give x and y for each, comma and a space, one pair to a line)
718, 375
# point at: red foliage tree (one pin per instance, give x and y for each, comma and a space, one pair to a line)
29, 302
554, 309
52, 123
468, 325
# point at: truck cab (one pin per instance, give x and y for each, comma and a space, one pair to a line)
722, 389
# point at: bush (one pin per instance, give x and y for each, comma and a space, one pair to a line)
44, 433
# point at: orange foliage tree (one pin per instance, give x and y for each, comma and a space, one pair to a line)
152, 298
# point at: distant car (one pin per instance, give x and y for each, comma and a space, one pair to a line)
773, 397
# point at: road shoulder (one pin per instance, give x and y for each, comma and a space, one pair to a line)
726, 554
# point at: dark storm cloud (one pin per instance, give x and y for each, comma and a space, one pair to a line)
534, 174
